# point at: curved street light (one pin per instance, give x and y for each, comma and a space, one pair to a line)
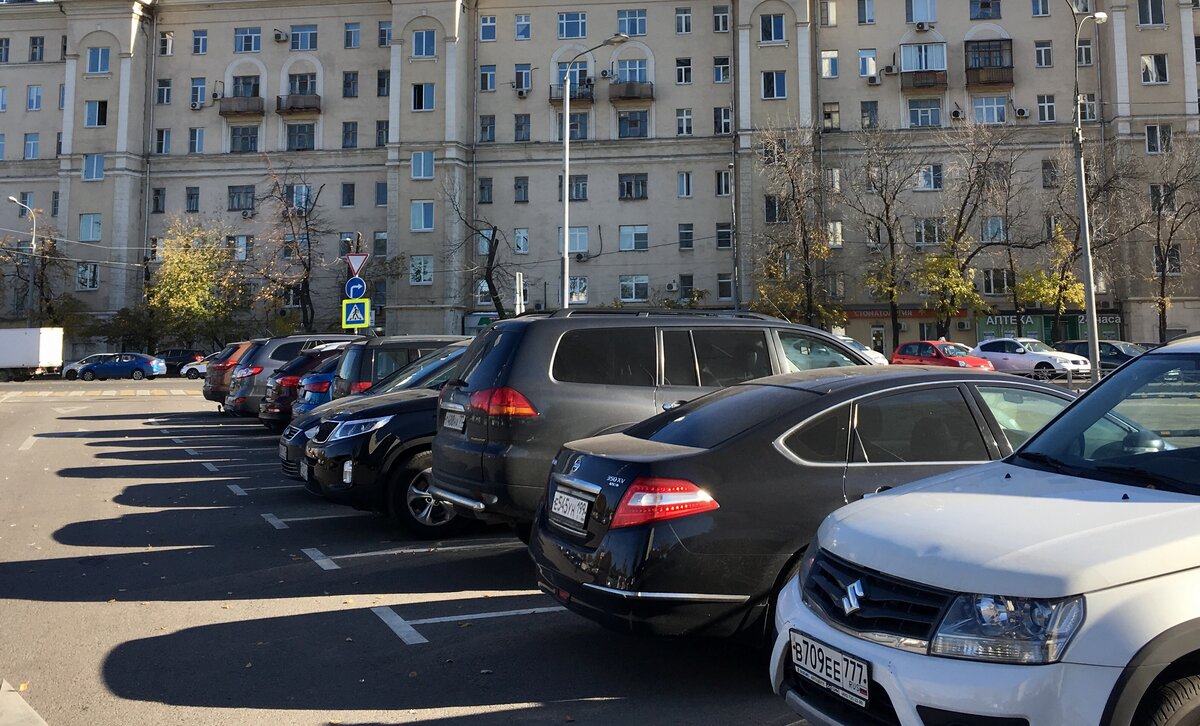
616, 39
32, 252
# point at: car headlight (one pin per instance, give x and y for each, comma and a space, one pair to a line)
1003, 629
312, 431
963, 364
346, 429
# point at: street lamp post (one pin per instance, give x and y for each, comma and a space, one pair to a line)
32, 256
1085, 232
616, 39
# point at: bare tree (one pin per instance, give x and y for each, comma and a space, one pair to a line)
492, 247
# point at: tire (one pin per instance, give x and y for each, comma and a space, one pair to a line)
524, 531
137, 374
1043, 371
88, 376
1175, 703
192, 374
72, 375
411, 506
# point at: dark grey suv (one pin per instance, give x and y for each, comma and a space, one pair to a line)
530, 384
248, 384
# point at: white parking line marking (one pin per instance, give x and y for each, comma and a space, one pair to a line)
236, 490
179, 441
327, 516
247, 466
27, 444
322, 561
76, 393
109, 393
274, 521
143, 393
499, 544
402, 629
261, 489
190, 452
178, 392
153, 421
210, 467
483, 616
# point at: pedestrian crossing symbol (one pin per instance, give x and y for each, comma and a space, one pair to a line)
356, 313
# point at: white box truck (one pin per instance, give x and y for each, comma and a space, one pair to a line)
26, 352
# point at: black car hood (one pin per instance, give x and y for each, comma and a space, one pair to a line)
385, 404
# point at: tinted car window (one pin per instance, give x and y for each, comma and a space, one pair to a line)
679, 359
423, 367
327, 366
299, 364
288, 350
824, 439
804, 352
488, 356
348, 368
932, 424
1020, 412
728, 357
908, 349
606, 356
997, 347
388, 361
720, 416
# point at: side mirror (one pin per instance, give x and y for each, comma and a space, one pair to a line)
1142, 442
1021, 350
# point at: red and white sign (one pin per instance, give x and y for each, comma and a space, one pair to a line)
356, 261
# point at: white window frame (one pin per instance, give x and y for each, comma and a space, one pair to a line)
424, 209
487, 29
920, 11
1083, 52
98, 60
930, 178
577, 240
774, 85
91, 227
1043, 54
420, 269
829, 64
1047, 109
683, 71
578, 290
1151, 13
570, 20
93, 167
684, 184
522, 22
720, 18
925, 113
866, 12
992, 110
1152, 73
683, 122
424, 43
1158, 138
521, 241
421, 165
631, 22
683, 21
772, 28
87, 276
833, 234
867, 62
1040, 8
630, 236
632, 283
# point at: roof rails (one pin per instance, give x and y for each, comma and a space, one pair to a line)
671, 312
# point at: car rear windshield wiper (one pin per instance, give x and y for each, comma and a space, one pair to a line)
1147, 478
1048, 461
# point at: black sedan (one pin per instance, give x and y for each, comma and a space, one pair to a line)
690, 521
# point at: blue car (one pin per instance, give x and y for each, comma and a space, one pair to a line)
315, 387
124, 365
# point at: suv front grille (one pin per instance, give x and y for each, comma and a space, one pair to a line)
887, 606
290, 433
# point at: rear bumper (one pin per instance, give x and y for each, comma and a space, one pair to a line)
215, 394
508, 480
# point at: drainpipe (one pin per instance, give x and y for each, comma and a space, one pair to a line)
148, 131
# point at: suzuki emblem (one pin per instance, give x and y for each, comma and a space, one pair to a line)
853, 593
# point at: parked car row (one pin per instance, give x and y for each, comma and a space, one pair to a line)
1023, 356
103, 366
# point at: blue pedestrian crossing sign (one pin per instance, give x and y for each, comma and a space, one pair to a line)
356, 313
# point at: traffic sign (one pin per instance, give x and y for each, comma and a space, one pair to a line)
356, 261
356, 288
356, 313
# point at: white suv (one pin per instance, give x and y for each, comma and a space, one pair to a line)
1060, 586
1029, 356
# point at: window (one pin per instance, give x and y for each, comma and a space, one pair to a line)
26, 198
1083, 52
579, 187
923, 57
37, 48
97, 60
1049, 174
301, 137
166, 42
1158, 138
422, 165
348, 191
632, 124
87, 276
1151, 12
577, 240
247, 40
720, 18
1087, 108
245, 86
827, 13
422, 97
770, 29
485, 190
868, 114
191, 196
1046, 110
936, 426
997, 281
683, 71
829, 64
1041, 8
635, 288
774, 210
424, 44
985, 9
521, 127
89, 227
631, 22
381, 132
162, 91
866, 62
929, 178
162, 141
241, 198
58, 143
990, 109
578, 290
487, 28
383, 82
53, 195
299, 196
385, 33
421, 215
687, 236
523, 29
724, 285
95, 113
33, 98
683, 122
198, 91
774, 84
351, 35
925, 112
158, 200
521, 241
724, 235
523, 76
724, 183
380, 246
683, 21
93, 167
928, 231
1174, 260
632, 71
1162, 198
350, 84
521, 189
833, 179
723, 121
381, 194
631, 186
1154, 68
683, 184
833, 234
572, 25
487, 128
993, 229
487, 78
831, 117
866, 12
243, 139
420, 270
242, 244
721, 69
920, 11
1043, 53
5, 45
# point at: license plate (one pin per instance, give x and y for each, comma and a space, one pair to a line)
831, 669
454, 420
569, 507
283, 452
304, 469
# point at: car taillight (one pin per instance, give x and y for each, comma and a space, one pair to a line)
197, 357
318, 387
247, 372
502, 402
653, 499
359, 386
289, 381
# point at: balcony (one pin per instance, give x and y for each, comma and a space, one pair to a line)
631, 91
922, 80
242, 106
989, 62
998, 76
298, 103
583, 93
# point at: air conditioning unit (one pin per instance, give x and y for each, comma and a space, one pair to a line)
247, 214
903, 327
922, 26
280, 36
964, 325
605, 73
1022, 112
197, 105
956, 114
872, 80
889, 70
300, 212
522, 92
672, 287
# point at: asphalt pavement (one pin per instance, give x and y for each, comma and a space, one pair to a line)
156, 567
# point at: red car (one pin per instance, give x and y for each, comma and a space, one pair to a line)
938, 353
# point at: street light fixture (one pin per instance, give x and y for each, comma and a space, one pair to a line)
616, 39
1085, 233
32, 254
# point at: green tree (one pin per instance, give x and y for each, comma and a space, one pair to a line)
1054, 285
948, 283
196, 290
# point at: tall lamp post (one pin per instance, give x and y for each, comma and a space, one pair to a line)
1085, 232
32, 256
616, 39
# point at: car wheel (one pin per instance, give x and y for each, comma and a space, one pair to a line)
72, 375
192, 374
524, 531
1174, 703
137, 374
1043, 371
275, 427
88, 375
412, 507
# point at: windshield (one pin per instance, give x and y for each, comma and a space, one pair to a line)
1036, 346
953, 350
1128, 348
428, 370
1139, 428
854, 344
